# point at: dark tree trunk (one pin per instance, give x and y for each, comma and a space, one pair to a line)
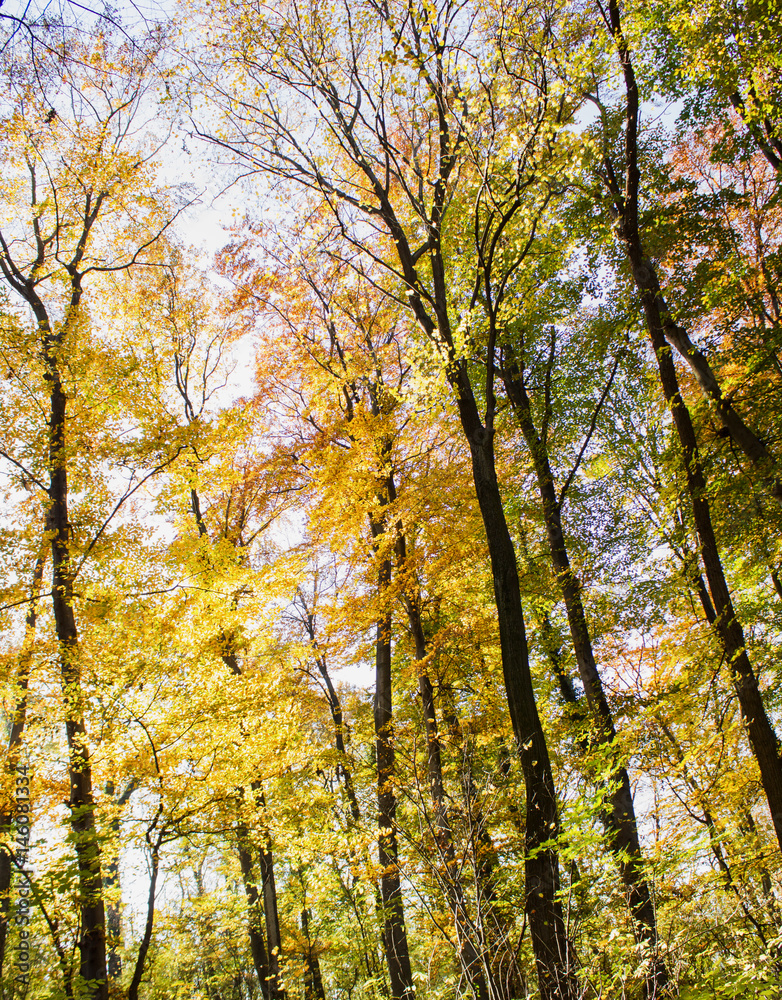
271, 915
550, 944
620, 822
92, 941
755, 449
254, 911
430, 302
146, 939
762, 737
337, 716
313, 985
112, 886
394, 933
767, 141
15, 746
470, 957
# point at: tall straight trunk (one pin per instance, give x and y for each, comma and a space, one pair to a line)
762, 737
430, 301
254, 910
553, 956
266, 860
620, 821
15, 746
92, 939
394, 930
470, 956
313, 984
270, 911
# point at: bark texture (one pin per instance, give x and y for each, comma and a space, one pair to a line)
394, 930
92, 939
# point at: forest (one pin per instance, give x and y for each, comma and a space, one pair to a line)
391, 518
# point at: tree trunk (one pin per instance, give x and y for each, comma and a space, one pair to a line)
313, 984
470, 956
394, 933
337, 716
272, 919
254, 911
763, 739
146, 939
620, 822
553, 956
755, 450
111, 884
92, 941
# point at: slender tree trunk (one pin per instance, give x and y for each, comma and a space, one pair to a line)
497, 926
112, 886
470, 956
271, 915
337, 715
146, 939
92, 941
254, 911
620, 821
313, 986
716, 836
395, 932
113, 921
755, 449
15, 746
266, 954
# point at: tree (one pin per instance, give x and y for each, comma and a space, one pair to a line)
81, 177
388, 169
661, 328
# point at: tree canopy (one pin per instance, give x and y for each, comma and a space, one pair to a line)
391, 463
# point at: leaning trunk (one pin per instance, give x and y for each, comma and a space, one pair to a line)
762, 737
620, 820
659, 323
